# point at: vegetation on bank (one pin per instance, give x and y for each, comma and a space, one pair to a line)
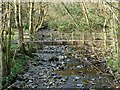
18, 63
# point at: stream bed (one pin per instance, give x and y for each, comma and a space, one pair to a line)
65, 67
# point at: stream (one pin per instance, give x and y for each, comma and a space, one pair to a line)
65, 67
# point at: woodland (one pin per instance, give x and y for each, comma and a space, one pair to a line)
60, 45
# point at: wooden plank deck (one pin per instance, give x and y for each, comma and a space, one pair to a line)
68, 40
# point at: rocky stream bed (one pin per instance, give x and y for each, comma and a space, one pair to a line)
65, 67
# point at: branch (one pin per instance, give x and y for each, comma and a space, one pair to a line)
113, 6
71, 16
113, 14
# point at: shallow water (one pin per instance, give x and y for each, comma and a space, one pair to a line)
89, 77
76, 72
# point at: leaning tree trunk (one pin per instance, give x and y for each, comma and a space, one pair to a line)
8, 41
31, 27
0, 49
118, 36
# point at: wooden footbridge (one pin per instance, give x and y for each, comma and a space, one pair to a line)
103, 40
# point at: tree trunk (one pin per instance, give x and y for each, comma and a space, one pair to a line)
20, 28
31, 27
118, 36
3, 47
0, 49
15, 11
9, 41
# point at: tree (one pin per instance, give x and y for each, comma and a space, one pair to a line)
20, 27
9, 40
6, 39
3, 42
118, 35
31, 27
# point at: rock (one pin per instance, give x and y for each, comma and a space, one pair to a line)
55, 77
41, 74
68, 60
99, 77
61, 57
63, 80
17, 84
53, 59
59, 77
107, 70
53, 65
20, 77
103, 86
76, 56
85, 59
27, 86
76, 78
65, 56
93, 79
26, 76
43, 60
44, 80
53, 74
103, 61
78, 66
66, 77
44, 76
60, 63
79, 85
60, 82
50, 83
92, 82
30, 81
40, 63
60, 68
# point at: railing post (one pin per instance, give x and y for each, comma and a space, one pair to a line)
72, 38
52, 38
61, 38
83, 38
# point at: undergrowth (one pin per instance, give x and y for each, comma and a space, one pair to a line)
17, 66
114, 65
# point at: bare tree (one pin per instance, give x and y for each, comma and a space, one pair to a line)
20, 27
0, 50
31, 27
42, 13
2, 42
8, 41
118, 35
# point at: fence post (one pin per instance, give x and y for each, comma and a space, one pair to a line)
72, 38
51, 38
83, 38
61, 38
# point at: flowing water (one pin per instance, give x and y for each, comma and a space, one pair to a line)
66, 67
